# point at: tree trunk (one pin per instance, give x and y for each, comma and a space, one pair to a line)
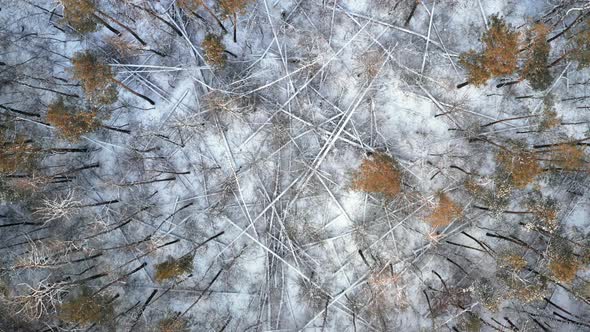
507, 84
214, 16
106, 25
508, 119
119, 83
47, 89
125, 131
459, 86
10, 109
235, 28
65, 150
412, 11
123, 26
556, 61
100, 203
152, 13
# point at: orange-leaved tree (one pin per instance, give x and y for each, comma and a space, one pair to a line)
98, 80
445, 212
535, 69
500, 54
580, 51
214, 50
174, 268
80, 15
563, 263
70, 121
569, 157
378, 174
522, 166
17, 155
87, 309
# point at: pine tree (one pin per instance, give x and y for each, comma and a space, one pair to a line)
563, 264
474, 63
485, 291
17, 155
87, 309
569, 157
173, 324
378, 174
214, 50
545, 213
70, 122
445, 213
174, 268
522, 166
499, 57
501, 48
80, 15
535, 69
96, 78
580, 51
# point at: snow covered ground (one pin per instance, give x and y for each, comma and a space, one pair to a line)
250, 168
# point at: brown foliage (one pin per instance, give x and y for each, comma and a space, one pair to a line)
445, 212
563, 263
513, 261
96, 78
521, 165
570, 157
80, 15
231, 7
70, 122
173, 268
173, 324
87, 309
501, 48
499, 56
477, 73
17, 155
580, 51
191, 5
535, 69
214, 50
378, 174
564, 269
545, 212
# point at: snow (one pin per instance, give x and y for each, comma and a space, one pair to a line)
265, 150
